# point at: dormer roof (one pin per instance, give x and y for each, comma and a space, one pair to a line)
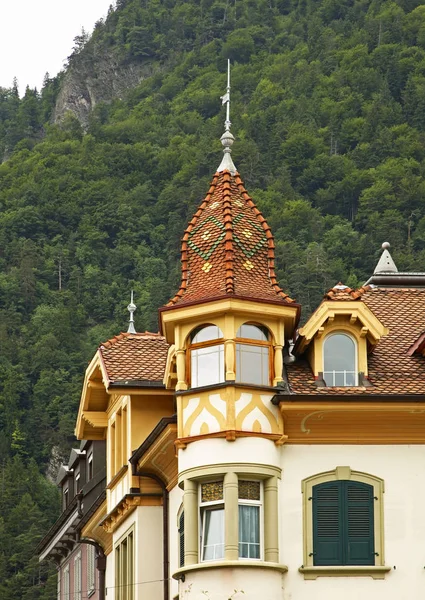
396, 365
228, 248
134, 357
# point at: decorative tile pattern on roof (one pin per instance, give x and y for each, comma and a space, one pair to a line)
392, 371
135, 357
228, 248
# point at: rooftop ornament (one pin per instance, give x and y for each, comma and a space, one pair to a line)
385, 263
227, 138
131, 308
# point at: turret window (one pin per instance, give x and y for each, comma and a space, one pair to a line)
206, 356
253, 355
340, 360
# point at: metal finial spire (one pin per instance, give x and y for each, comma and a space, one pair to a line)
131, 308
227, 138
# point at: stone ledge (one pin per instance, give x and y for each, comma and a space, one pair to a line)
223, 564
376, 572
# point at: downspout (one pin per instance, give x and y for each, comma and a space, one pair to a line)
100, 564
166, 566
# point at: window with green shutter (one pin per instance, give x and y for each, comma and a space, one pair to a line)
343, 527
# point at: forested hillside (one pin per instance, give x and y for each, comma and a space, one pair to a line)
328, 110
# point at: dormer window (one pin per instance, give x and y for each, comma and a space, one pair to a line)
206, 356
253, 355
340, 360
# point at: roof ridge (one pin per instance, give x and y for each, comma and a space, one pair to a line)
125, 334
341, 291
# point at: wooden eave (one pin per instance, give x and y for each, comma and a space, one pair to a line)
353, 311
392, 420
92, 419
160, 458
94, 531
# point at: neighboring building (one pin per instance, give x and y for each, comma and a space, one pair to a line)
247, 458
75, 542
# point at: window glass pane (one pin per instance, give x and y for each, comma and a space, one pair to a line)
253, 332
252, 364
213, 545
206, 334
339, 361
249, 531
207, 365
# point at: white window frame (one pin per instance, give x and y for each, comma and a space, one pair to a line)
242, 343
260, 504
90, 467
356, 360
91, 569
203, 508
66, 582
214, 346
77, 577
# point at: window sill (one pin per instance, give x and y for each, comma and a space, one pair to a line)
376, 572
222, 564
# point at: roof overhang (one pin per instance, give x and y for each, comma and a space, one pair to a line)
68, 529
170, 316
157, 454
355, 312
92, 420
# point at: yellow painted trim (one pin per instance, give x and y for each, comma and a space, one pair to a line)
248, 469
338, 474
376, 572
232, 564
247, 310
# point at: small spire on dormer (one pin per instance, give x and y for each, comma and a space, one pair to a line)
385, 263
131, 308
227, 138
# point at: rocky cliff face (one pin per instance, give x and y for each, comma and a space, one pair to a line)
94, 77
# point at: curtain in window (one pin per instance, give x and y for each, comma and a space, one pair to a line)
249, 531
213, 534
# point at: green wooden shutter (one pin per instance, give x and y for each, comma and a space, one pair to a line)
343, 525
359, 526
327, 524
181, 540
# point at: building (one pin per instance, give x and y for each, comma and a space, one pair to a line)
247, 457
77, 550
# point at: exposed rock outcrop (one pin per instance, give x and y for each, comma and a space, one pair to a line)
96, 76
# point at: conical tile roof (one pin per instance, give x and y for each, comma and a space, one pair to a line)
228, 248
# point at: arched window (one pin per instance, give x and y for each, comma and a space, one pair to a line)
206, 356
340, 360
253, 355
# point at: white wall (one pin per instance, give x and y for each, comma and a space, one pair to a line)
175, 500
402, 468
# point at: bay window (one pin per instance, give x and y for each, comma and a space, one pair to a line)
212, 520
249, 514
206, 356
253, 355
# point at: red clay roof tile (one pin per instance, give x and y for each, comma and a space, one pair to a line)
135, 357
392, 371
228, 248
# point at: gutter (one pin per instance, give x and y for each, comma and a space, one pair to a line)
100, 564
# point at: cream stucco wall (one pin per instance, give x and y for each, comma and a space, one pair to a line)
148, 571
219, 451
402, 469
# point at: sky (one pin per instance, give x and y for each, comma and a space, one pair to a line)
36, 36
